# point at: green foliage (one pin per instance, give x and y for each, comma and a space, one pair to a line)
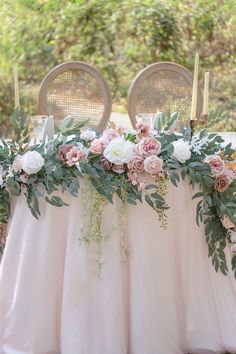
120, 38
57, 174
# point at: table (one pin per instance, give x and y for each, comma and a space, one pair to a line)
167, 298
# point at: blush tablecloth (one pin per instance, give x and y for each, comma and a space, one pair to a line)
166, 299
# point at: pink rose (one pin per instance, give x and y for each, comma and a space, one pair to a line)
136, 164
96, 146
74, 155
120, 129
222, 183
107, 165
119, 168
23, 189
24, 178
148, 146
63, 150
142, 129
133, 177
153, 165
108, 135
217, 164
227, 223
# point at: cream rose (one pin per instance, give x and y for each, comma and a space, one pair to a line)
153, 165
119, 151
182, 151
32, 162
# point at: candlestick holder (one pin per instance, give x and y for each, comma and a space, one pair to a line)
193, 123
204, 119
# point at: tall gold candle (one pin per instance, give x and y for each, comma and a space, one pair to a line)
206, 94
195, 87
16, 88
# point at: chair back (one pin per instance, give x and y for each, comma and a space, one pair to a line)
76, 89
164, 87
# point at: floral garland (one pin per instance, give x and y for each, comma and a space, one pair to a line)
118, 162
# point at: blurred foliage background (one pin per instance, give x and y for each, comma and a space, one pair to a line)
119, 37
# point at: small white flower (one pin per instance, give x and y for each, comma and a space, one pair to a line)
32, 162
197, 144
182, 151
88, 135
119, 151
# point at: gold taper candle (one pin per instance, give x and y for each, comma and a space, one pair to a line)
16, 88
195, 87
206, 94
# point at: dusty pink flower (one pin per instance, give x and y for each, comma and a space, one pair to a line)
227, 223
222, 183
75, 155
153, 165
142, 185
120, 129
108, 135
107, 165
217, 164
63, 150
119, 168
136, 164
148, 146
24, 178
17, 164
133, 177
96, 146
142, 129
23, 189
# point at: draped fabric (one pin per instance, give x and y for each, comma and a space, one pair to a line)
166, 298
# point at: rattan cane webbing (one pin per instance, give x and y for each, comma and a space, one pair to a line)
76, 93
164, 91
164, 87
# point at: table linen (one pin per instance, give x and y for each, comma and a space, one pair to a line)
166, 298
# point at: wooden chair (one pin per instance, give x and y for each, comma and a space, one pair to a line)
76, 89
162, 87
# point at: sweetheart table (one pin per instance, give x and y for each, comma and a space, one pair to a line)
165, 298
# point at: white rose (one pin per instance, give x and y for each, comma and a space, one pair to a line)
88, 135
119, 151
182, 151
32, 162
